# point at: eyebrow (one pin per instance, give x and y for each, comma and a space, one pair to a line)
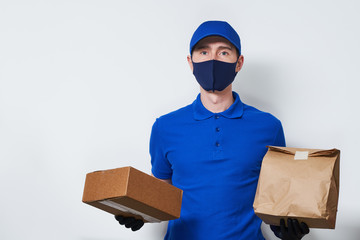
207, 46
225, 47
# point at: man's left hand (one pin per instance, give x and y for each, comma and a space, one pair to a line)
293, 231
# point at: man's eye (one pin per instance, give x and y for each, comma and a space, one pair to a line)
203, 52
224, 53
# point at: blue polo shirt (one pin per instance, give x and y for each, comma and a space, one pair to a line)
215, 158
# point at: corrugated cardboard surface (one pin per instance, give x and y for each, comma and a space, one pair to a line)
130, 192
306, 189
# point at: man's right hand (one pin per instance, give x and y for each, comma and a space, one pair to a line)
130, 222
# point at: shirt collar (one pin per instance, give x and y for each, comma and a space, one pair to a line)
234, 111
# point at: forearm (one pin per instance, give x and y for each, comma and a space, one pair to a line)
164, 180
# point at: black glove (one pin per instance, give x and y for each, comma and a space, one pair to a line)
294, 230
130, 222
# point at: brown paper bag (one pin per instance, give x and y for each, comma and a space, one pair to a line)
300, 183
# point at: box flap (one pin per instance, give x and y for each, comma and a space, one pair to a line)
100, 184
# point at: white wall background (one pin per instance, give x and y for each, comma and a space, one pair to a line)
81, 83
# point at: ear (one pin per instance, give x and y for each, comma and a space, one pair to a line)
240, 63
190, 63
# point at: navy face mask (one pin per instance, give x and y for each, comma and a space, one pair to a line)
214, 75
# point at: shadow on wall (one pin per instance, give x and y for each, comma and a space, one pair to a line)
149, 231
345, 232
258, 82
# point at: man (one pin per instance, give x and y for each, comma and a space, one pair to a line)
212, 149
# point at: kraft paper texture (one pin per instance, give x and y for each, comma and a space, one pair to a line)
305, 187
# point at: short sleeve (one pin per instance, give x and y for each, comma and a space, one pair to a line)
280, 137
161, 168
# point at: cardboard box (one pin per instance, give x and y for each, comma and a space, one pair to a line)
299, 183
130, 192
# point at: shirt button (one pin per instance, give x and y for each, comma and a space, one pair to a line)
217, 129
217, 144
217, 116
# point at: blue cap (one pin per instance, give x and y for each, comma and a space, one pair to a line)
215, 28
